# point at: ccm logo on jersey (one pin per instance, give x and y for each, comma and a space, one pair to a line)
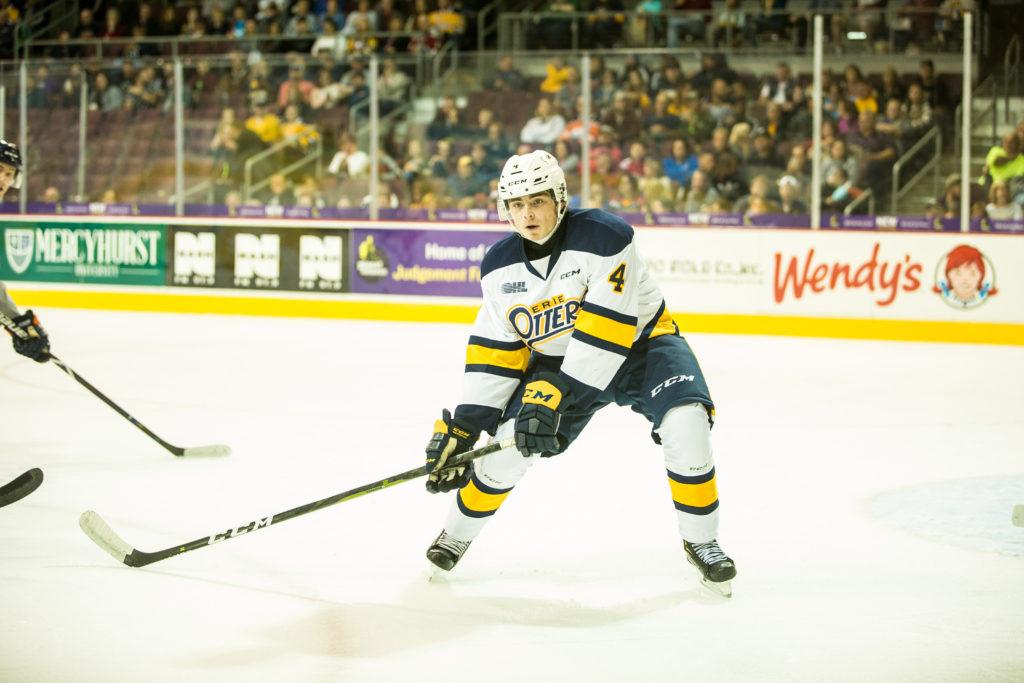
669, 382
545, 319
570, 274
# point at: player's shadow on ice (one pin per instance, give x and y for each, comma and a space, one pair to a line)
429, 614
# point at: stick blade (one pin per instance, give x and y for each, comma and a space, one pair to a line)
103, 536
21, 486
213, 451
1018, 515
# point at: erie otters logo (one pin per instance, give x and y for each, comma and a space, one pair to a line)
372, 264
965, 278
543, 321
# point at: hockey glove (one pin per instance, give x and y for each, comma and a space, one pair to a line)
544, 400
451, 437
37, 345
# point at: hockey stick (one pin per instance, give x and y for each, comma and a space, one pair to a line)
17, 489
105, 537
197, 451
1018, 515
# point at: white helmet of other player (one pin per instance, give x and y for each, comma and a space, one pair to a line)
526, 174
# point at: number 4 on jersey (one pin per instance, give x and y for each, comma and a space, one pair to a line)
618, 278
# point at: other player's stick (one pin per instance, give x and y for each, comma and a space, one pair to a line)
17, 489
105, 537
1018, 515
196, 451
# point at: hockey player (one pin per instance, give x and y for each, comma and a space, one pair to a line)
36, 345
571, 322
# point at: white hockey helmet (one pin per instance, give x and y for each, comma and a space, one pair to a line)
526, 174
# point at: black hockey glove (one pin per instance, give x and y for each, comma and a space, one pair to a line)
37, 345
544, 400
451, 437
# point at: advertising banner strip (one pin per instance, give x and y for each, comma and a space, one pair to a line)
83, 252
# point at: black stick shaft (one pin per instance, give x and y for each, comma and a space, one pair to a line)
14, 329
138, 558
120, 411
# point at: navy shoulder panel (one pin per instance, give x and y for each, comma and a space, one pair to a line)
504, 252
597, 232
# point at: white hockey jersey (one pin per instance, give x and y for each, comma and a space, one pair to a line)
595, 301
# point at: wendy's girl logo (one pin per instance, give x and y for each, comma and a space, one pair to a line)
965, 278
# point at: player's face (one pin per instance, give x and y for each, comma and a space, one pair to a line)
965, 281
7, 174
533, 217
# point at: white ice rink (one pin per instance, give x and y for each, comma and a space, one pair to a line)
866, 493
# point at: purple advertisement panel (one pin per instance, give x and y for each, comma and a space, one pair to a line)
425, 262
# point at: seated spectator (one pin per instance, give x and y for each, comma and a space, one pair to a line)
447, 121
506, 76
265, 124
758, 206
635, 88
669, 77
846, 117
700, 194
719, 141
764, 154
692, 25
627, 196
789, 197
800, 123
441, 163
661, 123
863, 96
416, 160
875, 151
606, 144
349, 161
728, 25
726, 179
605, 173
361, 14
999, 205
838, 190
740, 142
277, 193
330, 41
634, 163
297, 86
574, 129
774, 122
935, 92
839, 157
604, 92
146, 92
1005, 162
894, 123
545, 126
918, 111
307, 193
302, 21
680, 164
486, 169
498, 143
447, 19
51, 195
104, 96
566, 97
720, 104
760, 188
294, 126
465, 182
392, 85
779, 87
891, 86
623, 118
656, 187
327, 92
557, 74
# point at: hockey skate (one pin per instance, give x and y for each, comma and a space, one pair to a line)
715, 567
445, 552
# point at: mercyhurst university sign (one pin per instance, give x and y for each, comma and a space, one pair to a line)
80, 252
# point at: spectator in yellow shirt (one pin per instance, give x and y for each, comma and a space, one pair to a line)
265, 124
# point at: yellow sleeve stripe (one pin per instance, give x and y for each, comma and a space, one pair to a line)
478, 501
694, 495
481, 355
607, 329
665, 325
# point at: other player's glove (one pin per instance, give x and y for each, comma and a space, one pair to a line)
451, 437
544, 401
37, 344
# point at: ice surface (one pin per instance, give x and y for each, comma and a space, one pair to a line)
863, 488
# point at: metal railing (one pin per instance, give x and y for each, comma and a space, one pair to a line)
1011, 74
313, 156
44, 20
985, 91
932, 136
204, 188
867, 196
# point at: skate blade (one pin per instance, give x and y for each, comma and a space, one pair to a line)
722, 588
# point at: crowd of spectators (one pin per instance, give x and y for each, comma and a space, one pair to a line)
662, 140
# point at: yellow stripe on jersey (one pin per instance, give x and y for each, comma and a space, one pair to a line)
694, 495
607, 329
481, 355
474, 500
663, 326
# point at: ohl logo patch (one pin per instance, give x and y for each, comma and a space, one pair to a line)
544, 320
